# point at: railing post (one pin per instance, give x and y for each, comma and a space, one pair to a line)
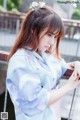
17, 26
5, 100
78, 43
5, 4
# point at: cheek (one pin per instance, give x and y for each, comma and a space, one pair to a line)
42, 42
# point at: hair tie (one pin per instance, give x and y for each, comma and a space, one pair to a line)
36, 5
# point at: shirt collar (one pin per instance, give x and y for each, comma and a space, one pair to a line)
36, 54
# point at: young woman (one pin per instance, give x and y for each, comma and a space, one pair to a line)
35, 67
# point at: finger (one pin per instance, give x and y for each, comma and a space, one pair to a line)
79, 76
75, 74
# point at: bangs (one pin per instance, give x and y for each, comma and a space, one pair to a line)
55, 26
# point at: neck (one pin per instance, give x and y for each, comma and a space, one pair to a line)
38, 51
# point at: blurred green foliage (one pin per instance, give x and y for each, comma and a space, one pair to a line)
19, 4
12, 4
76, 14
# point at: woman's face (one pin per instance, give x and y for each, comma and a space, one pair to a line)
46, 41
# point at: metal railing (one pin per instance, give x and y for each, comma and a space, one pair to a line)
12, 21
10, 25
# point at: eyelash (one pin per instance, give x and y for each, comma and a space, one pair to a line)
49, 34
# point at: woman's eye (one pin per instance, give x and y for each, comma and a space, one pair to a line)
49, 34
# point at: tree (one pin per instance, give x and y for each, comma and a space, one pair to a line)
76, 14
11, 4
1, 2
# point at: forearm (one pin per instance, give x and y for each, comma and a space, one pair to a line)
72, 83
55, 95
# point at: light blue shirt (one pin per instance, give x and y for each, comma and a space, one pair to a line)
29, 79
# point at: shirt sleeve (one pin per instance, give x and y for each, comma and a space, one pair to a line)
32, 93
64, 66
28, 92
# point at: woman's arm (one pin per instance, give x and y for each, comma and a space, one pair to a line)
58, 94
72, 83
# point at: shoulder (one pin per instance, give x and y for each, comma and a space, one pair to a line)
19, 55
18, 60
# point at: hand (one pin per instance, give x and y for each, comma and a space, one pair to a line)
71, 65
75, 66
73, 81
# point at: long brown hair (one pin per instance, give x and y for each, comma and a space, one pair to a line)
35, 22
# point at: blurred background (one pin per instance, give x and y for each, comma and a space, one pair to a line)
12, 13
